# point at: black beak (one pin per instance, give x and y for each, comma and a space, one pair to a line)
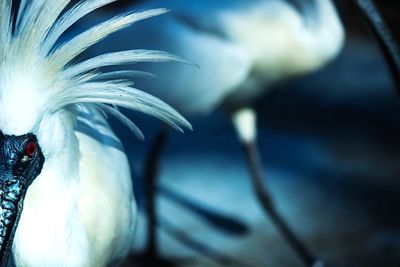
12, 195
21, 161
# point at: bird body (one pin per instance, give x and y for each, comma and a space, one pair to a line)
241, 47
66, 195
78, 212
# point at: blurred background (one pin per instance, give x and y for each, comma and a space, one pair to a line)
330, 144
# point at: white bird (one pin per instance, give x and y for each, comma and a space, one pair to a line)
66, 197
242, 48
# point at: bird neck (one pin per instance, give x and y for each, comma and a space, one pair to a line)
319, 41
325, 31
50, 216
60, 173
60, 146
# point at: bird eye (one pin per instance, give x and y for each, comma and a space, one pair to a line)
30, 149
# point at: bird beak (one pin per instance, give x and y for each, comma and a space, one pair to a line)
21, 162
12, 194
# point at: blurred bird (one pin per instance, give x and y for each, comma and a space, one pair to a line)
242, 48
66, 197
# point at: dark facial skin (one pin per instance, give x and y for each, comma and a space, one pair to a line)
21, 161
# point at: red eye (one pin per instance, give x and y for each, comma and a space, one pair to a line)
30, 149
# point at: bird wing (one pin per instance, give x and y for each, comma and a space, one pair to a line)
105, 180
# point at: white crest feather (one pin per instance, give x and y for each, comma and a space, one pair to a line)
68, 19
32, 63
119, 58
68, 51
122, 74
5, 25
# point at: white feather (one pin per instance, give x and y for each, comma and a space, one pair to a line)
80, 210
68, 19
119, 94
125, 120
68, 51
119, 58
241, 46
5, 26
122, 74
34, 65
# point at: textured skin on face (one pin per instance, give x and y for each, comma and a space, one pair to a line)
13, 161
17, 172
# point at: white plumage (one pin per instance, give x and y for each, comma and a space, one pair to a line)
242, 47
80, 210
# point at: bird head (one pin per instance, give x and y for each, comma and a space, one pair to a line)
21, 161
39, 80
